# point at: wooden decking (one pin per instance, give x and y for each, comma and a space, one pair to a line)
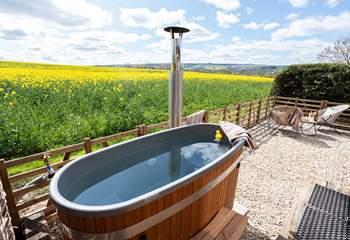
227, 225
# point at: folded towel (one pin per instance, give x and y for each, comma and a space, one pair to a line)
296, 118
235, 133
195, 118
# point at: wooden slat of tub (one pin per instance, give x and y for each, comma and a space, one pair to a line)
205, 203
148, 211
164, 226
214, 202
100, 225
217, 192
90, 224
109, 224
224, 193
63, 217
195, 207
186, 213
132, 217
231, 188
76, 223
175, 221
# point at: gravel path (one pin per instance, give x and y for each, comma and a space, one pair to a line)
270, 179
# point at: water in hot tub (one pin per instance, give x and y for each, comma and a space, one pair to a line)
124, 183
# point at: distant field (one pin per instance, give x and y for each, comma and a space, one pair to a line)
45, 106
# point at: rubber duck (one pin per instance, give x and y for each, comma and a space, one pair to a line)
218, 136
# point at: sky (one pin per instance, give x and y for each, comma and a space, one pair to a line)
96, 32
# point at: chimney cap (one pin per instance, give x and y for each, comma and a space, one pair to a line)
174, 29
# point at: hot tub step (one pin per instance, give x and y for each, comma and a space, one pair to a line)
227, 225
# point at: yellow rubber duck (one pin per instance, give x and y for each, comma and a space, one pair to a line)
218, 136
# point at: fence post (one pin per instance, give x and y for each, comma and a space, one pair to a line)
206, 117
259, 110
296, 102
145, 129
267, 107
274, 101
11, 203
324, 104
142, 130
66, 156
250, 113
225, 114
238, 120
87, 145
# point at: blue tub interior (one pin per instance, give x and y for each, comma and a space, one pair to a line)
123, 172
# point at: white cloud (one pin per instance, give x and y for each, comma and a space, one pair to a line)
251, 26
229, 5
236, 39
314, 25
198, 18
299, 3
226, 20
303, 3
292, 16
332, 3
63, 13
249, 10
103, 40
267, 52
265, 26
22, 27
270, 26
197, 33
144, 17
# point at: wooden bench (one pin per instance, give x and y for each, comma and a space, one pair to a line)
226, 225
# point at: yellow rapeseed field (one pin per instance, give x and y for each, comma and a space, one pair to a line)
45, 106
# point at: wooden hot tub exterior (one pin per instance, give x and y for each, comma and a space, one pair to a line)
179, 214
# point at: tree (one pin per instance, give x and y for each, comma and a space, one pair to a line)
338, 52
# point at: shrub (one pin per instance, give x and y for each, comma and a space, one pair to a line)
314, 81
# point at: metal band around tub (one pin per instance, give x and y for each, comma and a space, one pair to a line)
153, 220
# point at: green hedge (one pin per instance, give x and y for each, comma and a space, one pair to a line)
314, 81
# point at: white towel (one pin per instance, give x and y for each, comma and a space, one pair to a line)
235, 133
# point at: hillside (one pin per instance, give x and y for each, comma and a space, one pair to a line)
245, 69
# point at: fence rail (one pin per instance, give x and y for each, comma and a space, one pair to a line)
245, 114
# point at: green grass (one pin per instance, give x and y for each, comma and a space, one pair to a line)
48, 106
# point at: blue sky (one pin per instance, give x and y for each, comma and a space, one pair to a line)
91, 32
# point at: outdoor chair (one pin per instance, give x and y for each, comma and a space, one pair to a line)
325, 117
282, 116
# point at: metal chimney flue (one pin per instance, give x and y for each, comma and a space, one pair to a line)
175, 76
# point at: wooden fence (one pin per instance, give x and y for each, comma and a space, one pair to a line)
308, 105
6, 231
245, 114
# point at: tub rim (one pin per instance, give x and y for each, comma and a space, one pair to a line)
65, 205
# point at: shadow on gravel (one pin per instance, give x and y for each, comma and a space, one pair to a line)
252, 233
262, 134
343, 133
314, 141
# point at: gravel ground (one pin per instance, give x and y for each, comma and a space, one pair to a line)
270, 179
